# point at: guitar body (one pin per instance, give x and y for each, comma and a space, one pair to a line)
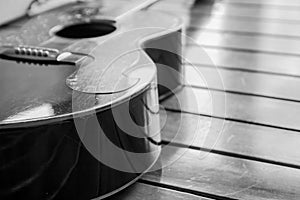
85, 124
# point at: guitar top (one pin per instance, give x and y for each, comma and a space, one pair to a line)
97, 61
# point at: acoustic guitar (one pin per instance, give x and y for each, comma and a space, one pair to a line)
79, 107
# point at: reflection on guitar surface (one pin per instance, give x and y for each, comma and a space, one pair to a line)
80, 88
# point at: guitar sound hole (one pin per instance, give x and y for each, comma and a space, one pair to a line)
87, 30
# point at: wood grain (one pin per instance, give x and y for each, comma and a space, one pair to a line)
280, 4
242, 60
147, 192
254, 149
249, 12
226, 176
242, 26
272, 86
250, 109
290, 3
284, 46
215, 8
234, 138
206, 17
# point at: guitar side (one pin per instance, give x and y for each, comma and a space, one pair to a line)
45, 157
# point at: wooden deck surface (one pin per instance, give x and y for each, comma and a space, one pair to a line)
246, 147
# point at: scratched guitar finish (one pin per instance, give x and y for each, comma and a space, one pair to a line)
68, 65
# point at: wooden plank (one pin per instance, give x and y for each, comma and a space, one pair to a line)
232, 10
272, 86
231, 59
280, 4
238, 25
251, 12
226, 176
247, 42
251, 109
291, 3
200, 17
256, 142
234, 24
140, 191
